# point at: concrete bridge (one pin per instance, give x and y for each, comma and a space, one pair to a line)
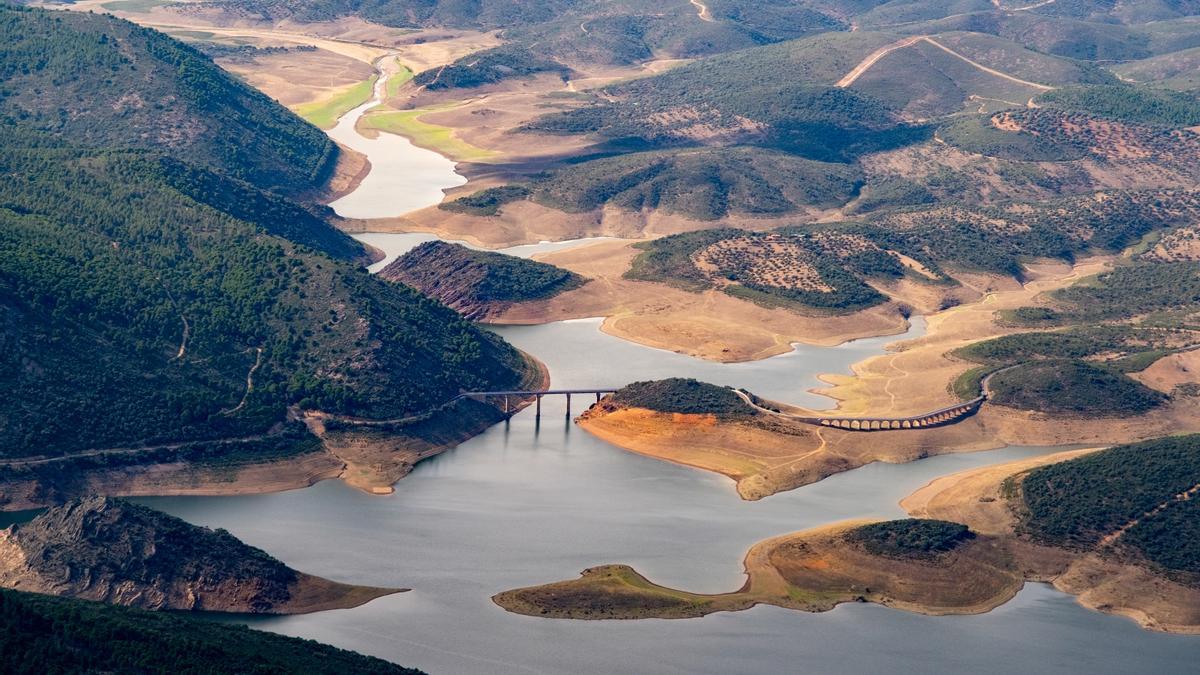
505, 398
935, 418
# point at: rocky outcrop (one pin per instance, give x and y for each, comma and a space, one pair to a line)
115, 551
477, 284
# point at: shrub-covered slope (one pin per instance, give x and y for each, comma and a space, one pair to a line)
1140, 496
705, 184
148, 298
684, 396
134, 314
477, 283
41, 634
97, 81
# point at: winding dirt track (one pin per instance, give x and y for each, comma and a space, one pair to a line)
702, 10
874, 57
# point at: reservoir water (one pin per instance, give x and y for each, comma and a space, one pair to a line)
403, 177
527, 503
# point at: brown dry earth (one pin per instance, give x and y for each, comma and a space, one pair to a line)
710, 325
1100, 582
913, 378
817, 569
812, 571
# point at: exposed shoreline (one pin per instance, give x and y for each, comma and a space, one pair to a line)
373, 467
981, 575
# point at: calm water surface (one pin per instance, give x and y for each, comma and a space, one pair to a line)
527, 503
403, 177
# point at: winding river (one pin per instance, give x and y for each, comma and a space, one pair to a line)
528, 502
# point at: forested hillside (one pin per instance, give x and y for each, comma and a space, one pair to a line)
96, 81
41, 634
149, 302
477, 283
707, 103
1136, 498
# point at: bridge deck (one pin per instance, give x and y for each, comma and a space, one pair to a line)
538, 392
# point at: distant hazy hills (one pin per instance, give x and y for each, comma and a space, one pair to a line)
150, 298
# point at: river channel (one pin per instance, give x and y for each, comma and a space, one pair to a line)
529, 502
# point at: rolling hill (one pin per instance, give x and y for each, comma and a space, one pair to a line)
158, 306
96, 81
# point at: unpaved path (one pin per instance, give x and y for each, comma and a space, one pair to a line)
702, 10
873, 58
36, 461
249, 384
878, 54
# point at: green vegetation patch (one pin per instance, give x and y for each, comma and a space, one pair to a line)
145, 288
462, 276
977, 134
486, 202
488, 67
999, 238
423, 134
1140, 105
1080, 502
1132, 290
686, 396
41, 634
910, 538
103, 82
705, 184
326, 112
718, 99
1076, 343
761, 267
1073, 388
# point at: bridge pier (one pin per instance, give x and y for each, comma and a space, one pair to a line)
568, 405
539, 407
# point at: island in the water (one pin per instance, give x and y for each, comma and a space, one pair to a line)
1115, 527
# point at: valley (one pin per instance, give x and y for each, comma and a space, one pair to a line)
739, 218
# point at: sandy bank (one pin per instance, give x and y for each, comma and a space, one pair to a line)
710, 325
316, 594
812, 571
1100, 580
369, 457
817, 569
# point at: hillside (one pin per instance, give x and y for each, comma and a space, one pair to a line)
704, 184
1136, 105
122, 553
1133, 499
40, 634
488, 67
684, 396
156, 310
1072, 389
154, 292
477, 284
824, 271
717, 101
96, 81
